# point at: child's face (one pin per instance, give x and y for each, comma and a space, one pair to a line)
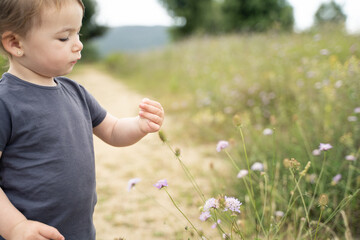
53, 48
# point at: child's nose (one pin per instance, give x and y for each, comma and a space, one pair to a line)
78, 46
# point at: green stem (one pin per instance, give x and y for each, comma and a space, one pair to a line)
188, 173
317, 226
200, 235
232, 160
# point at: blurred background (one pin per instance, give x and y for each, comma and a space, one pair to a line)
288, 67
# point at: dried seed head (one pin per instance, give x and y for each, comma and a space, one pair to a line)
237, 120
162, 136
323, 200
303, 172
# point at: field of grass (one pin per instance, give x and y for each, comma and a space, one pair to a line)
288, 93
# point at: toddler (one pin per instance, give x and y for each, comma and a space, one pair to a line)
47, 170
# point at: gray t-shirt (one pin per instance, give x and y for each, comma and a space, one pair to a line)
47, 167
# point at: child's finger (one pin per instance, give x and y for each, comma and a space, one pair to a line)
151, 117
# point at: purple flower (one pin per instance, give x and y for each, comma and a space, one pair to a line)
324, 146
257, 166
336, 179
215, 224
204, 216
211, 203
161, 183
232, 204
352, 118
357, 110
132, 182
222, 145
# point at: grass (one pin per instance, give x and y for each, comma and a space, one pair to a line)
304, 87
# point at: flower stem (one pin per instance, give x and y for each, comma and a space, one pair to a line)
317, 226
177, 207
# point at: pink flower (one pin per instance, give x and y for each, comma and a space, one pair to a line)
161, 183
325, 146
222, 145
242, 173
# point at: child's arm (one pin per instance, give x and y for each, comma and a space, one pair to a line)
127, 131
14, 225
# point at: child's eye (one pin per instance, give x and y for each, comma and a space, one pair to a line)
63, 39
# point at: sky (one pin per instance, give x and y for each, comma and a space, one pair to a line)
115, 13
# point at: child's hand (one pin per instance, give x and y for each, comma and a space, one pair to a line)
151, 116
31, 230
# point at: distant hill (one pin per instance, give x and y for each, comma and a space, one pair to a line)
132, 39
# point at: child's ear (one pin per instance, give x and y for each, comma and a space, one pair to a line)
12, 44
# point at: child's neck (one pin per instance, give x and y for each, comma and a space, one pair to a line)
32, 77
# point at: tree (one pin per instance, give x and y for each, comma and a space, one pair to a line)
190, 15
257, 15
219, 16
90, 29
330, 13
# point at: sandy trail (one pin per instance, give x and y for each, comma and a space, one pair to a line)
144, 212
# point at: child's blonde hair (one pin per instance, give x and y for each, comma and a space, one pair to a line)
19, 16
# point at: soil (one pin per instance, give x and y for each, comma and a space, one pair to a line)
145, 212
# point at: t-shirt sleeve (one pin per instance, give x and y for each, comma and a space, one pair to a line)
97, 112
5, 126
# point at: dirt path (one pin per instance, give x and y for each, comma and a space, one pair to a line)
144, 212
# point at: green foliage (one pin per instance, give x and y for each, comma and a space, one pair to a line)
330, 13
3, 64
214, 16
257, 15
90, 29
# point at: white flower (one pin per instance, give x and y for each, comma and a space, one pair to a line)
350, 157
268, 131
316, 152
279, 213
242, 173
352, 118
357, 110
257, 166
211, 203
232, 204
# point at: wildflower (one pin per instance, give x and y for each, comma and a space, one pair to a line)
316, 152
336, 179
324, 52
232, 204
279, 213
257, 166
205, 216
325, 146
215, 224
338, 84
222, 145
268, 131
352, 118
350, 157
132, 182
323, 200
161, 183
357, 110
211, 203
242, 173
